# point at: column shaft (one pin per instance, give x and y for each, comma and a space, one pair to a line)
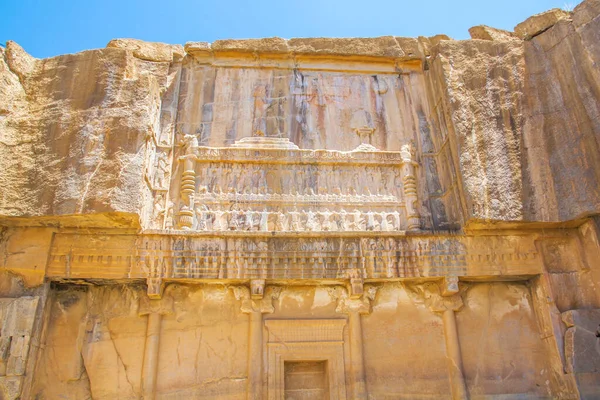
453, 355
150, 367
255, 356
356, 356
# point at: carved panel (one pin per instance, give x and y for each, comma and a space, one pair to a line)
276, 257
267, 184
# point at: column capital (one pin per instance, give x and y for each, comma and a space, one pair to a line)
438, 296
348, 302
252, 301
156, 287
162, 306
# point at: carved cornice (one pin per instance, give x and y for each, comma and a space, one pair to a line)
158, 257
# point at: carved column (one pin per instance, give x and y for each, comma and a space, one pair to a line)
354, 303
256, 302
409, 181
154, 309
444, 298
188, 182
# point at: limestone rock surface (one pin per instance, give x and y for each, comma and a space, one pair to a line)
484, 32
538, 23
561, 119
73, 131
416, 217
480, 85
149, 51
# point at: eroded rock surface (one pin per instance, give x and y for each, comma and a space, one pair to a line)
312, 217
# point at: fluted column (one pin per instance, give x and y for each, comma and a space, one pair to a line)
257, 302
444, 298
454, 357
354, 303
154, 309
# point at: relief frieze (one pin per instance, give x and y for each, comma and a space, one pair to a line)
172, 256
267, 184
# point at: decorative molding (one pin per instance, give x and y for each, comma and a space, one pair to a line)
258, 183
263, 305
160, 257
347, 304
150, 305
438, 296
305, 330
301, 340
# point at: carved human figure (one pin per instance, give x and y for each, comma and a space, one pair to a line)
259, 126
342, 222
296, 226
395, 220
161, 172
202, 217
248, 220
326, 220
407, 152
384, 222
312, 224
281, 222
357, 221
356, 184
390, 265
159, 210
218, 220
370, 221
264, 221
233, 220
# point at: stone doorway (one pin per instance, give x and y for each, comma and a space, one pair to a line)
306, 359
306, 380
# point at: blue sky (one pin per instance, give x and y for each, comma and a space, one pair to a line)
52, 27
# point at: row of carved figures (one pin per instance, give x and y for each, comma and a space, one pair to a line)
308, 196
292, 221
267, 179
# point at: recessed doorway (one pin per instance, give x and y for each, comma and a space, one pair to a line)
306, 380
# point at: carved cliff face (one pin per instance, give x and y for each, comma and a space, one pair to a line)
369, 173
314, 109
201, 221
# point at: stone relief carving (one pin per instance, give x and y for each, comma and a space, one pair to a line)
161, 171
265, 184
253, 303
439, 296
347, 303
259, 256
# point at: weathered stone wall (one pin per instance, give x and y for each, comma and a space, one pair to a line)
514, 122
477, 88
561, 132
73, 132
148, 249
95, 342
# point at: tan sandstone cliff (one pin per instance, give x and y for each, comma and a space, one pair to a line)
416, 217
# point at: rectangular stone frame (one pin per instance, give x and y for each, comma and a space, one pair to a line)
326, 346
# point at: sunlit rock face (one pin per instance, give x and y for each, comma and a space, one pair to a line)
312, 218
